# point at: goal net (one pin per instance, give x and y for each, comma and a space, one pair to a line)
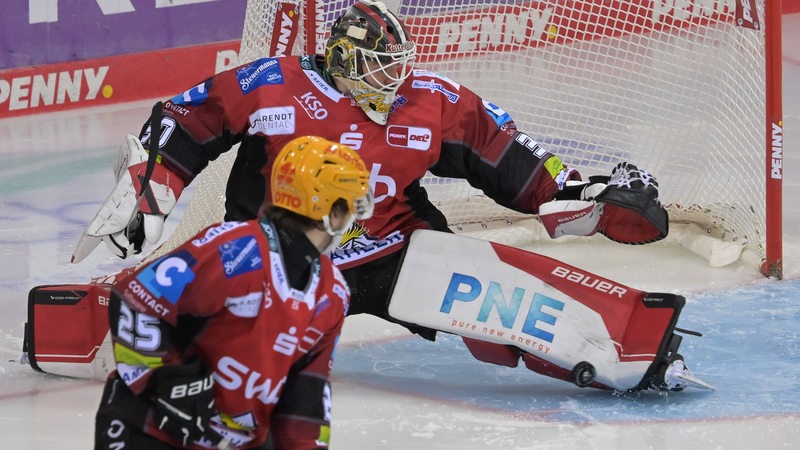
676, 87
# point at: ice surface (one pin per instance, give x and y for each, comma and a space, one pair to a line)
395, 391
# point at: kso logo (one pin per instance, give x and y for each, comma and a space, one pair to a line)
312, 106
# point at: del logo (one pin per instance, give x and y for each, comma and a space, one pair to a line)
167, 277
466, 289
240, 256
409, 137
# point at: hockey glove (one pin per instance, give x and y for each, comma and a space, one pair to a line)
127, 219
624, 207
184, 403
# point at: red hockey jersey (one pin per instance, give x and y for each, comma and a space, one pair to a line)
224, 298
436, 124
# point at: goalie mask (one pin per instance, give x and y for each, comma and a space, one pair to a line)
371, 54
311, 173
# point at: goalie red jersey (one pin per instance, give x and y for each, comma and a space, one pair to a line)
269, 345
435, 125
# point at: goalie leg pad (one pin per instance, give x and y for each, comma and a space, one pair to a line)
568, 323
582, 374
503, 355
67, 331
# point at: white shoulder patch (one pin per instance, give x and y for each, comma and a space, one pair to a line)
428, 73
325, 88
213, 232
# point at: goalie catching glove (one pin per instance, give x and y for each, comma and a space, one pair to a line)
624, 207
131, 216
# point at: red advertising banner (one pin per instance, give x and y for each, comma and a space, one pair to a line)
162, 73
114, 79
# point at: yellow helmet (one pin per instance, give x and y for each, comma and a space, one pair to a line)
311, 173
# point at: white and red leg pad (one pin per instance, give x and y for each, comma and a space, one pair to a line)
565, 322
67, 331
503, 355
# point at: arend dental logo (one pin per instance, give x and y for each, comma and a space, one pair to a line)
415, 138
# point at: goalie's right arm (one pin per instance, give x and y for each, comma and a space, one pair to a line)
131, 216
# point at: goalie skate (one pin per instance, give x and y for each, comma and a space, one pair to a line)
677, 377
673, 374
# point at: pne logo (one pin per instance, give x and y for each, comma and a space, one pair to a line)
466, 289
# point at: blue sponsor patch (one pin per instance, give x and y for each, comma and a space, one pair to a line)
498, 114
168, 276
240, 256
194, 96
259, 73
323, 304
398, 102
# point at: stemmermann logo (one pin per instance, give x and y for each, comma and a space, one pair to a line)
433, 86
259, 73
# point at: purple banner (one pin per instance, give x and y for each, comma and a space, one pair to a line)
34, 32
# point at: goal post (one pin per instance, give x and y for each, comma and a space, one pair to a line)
773, 248
690, 90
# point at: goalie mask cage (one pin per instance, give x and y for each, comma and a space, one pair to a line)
689, 90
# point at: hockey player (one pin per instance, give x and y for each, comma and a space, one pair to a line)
255, 302
365, 92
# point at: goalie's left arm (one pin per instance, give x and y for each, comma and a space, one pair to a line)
624, 207
514, 170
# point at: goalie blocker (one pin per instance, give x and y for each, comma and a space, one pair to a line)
563, 322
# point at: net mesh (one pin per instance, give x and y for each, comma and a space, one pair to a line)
677, 91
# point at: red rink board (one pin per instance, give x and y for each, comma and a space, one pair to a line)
115, 79
164, 73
